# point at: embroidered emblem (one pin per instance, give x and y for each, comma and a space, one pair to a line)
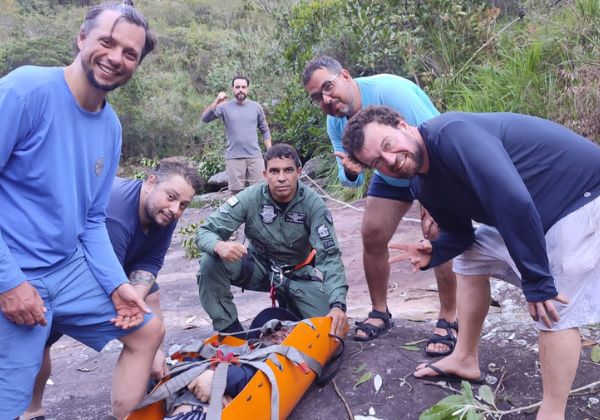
99, 166
295, 217
233, 201
323, 231
223, 210
329, 243
328, 216
268, 214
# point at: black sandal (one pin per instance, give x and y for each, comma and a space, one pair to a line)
448, 339
373, 331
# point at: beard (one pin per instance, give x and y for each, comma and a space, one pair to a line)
240, 96
106, 88
416, 157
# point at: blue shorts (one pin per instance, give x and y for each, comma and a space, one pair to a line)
381, 189
77, 306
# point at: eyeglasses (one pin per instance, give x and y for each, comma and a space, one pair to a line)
327, 88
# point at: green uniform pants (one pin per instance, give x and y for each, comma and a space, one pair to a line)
303, 296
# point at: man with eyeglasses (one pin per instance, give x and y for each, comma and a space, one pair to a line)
241, 117
338, 95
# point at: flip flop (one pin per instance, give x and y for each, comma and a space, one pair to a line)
442, 375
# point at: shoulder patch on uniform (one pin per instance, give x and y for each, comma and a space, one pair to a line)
232, 201
268, 213
295, 217
323, 231
329, 243
328, 216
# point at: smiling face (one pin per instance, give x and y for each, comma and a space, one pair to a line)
110, 52
340, 101
281, 176
164, 202
394, 151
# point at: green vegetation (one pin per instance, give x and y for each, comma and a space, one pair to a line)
538, 57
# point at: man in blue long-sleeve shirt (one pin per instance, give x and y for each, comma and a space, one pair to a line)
60, 144
536, 187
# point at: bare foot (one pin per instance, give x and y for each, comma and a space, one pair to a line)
469, 371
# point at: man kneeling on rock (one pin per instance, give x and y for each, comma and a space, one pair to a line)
290, 232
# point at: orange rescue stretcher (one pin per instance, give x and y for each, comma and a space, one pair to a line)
309, 337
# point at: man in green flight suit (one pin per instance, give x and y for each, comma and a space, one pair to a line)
284, 222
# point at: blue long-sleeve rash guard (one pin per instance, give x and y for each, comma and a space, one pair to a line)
57, 164
518, 173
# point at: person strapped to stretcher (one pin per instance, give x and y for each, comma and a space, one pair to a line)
291, 251
211, 374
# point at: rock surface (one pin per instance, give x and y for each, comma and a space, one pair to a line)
81, 379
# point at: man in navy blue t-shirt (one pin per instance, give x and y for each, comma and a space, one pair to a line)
140, 219
535, 185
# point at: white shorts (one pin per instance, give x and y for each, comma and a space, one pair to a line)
573, 246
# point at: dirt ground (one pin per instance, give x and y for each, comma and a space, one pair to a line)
80, 385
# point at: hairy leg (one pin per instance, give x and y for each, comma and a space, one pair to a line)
133, 366
559, 357
473, 298
380, 220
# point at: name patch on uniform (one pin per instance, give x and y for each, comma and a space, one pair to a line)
329, 243
233, 201
323, 231
295, 217
328, 216
268, 214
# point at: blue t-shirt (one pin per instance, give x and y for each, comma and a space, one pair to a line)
135, 249
518, 173
57, 164
395, 92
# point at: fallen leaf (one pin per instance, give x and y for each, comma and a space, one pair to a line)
377, 382
595, 355
410, 348
413, 343
364, 378
487, 395
371, 411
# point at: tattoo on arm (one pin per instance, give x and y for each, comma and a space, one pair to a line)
141, 277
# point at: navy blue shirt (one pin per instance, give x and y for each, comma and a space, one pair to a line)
135, 249
518, 173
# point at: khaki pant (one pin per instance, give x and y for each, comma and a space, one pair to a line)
304, 294
242, 171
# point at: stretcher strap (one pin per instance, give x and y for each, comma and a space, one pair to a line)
219, 382
266, 369
174, 384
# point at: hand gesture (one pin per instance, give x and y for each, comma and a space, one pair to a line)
130, 307
201, 386
545, 311
230, 251
350, 165
419, 254
221, 97
339, 322
23, 305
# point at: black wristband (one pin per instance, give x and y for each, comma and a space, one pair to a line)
340, 305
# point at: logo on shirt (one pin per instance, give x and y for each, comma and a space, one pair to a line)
323, 231
99, 166
328, 217
233, 201
329, 243
268, 214
295, 217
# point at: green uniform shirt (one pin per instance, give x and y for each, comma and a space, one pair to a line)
281, 236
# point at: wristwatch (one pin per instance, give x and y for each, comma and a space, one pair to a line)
340, 305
